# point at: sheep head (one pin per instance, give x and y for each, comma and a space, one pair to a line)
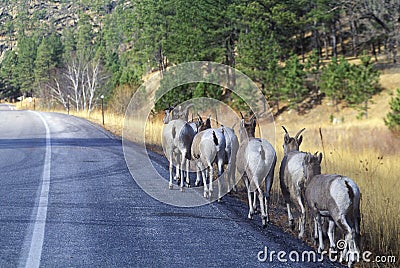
247, 129
167, 114
203, 125
312, 165
292, 143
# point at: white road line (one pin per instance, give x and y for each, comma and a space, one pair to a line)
36, 245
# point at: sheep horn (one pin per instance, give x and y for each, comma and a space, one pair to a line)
251, 118
285, 130
298, 133
241, 115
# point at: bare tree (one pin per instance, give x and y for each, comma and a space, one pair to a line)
57, 93
84, 79
95, 80
73, 72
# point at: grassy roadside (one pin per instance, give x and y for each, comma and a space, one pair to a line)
363, 150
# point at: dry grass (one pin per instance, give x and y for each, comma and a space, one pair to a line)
367, 152
363, 150
376, 173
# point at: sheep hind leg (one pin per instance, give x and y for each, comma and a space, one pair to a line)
171, 167
227, 177
177, 169
290, 216
197, 177
183, 163
204, 175
331, 234
221, 175
232, 178
264, 216
302, 219
187, 174
320, 237
315, 232
255, 202
267, 202
210, 188
350, 251
251, 209
232, 175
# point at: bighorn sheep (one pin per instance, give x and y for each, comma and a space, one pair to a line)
291, 177
177, 139
256, 160
232, 146
208, 147
336, 197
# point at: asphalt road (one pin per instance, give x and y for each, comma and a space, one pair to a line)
67, 199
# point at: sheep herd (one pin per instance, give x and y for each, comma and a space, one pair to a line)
325, 197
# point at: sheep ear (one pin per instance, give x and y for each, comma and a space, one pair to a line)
320, 158
300, 140
208, 122
286, 138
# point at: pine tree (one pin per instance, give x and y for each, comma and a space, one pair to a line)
10, 86
363, 84
26, 64
69, 44
293, 86
334, 80
84, 45
313, 66
392, 119
56, 48
43, 65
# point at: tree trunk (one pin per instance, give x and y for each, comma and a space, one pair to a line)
354, 37
341, 41
373, 50
333, 36
317, 44
302, 38
325, 38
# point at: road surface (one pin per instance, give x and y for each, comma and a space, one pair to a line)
67, 199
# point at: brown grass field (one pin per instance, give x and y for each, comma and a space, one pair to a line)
364, 150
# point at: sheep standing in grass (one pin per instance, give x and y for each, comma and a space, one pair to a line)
336, 197
256, 159
208, 147
291, 177
177, 140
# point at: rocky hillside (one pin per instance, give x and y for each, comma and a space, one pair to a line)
24, 15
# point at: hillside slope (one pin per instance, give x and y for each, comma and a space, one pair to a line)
55, 14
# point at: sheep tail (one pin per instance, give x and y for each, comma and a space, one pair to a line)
350, 190
173, 132
262, 153
215, 138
